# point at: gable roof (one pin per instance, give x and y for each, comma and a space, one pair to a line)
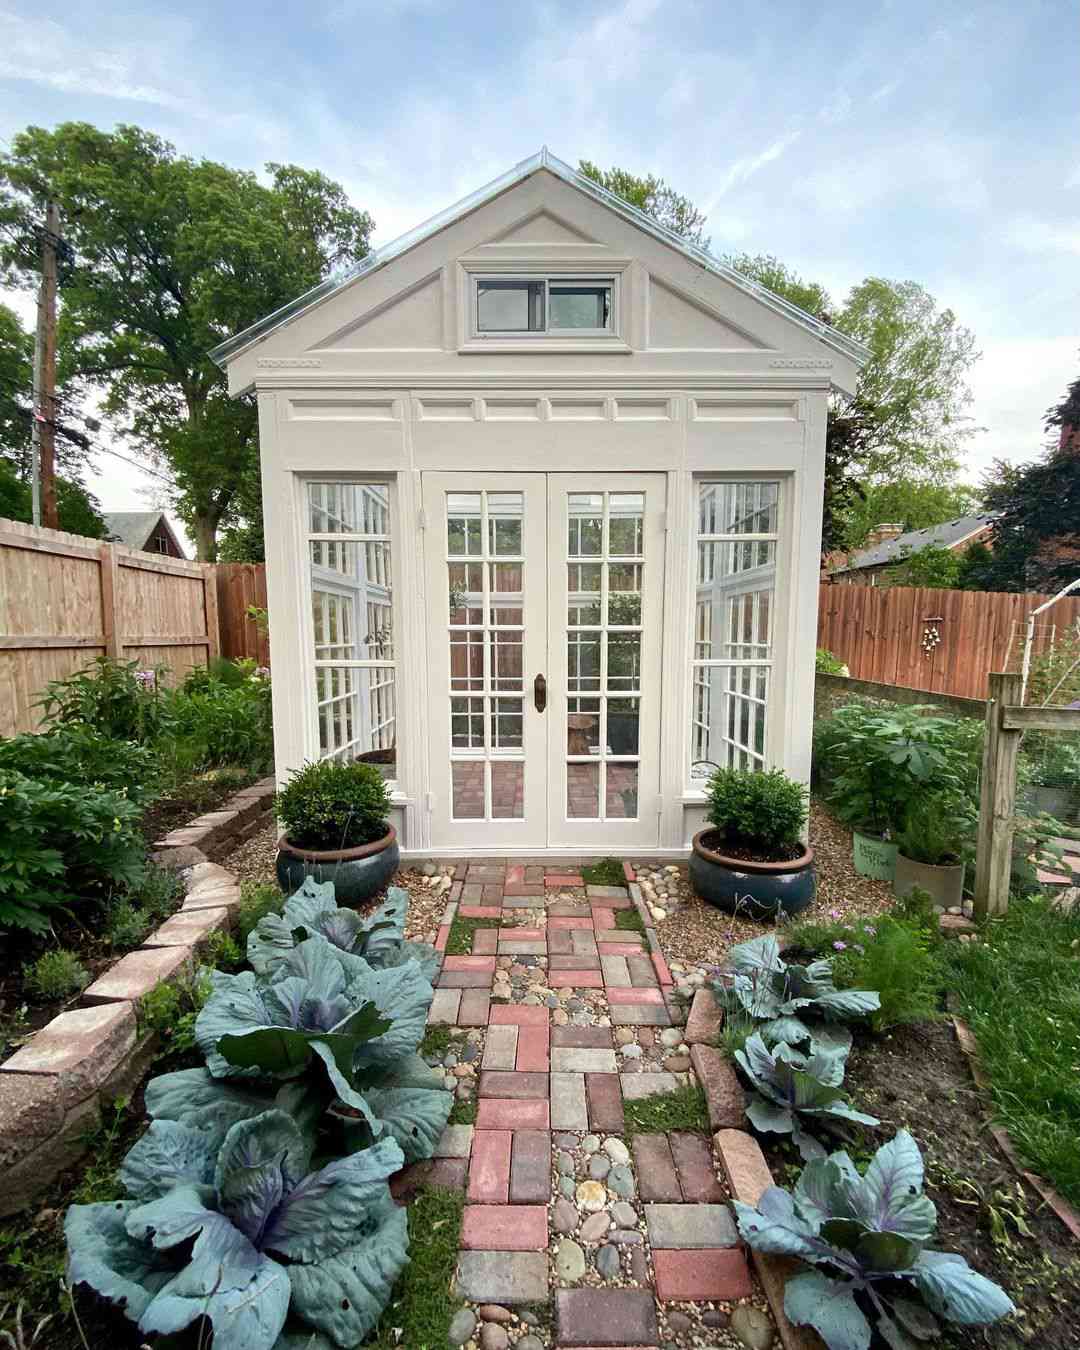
947, 535
134, 528
544, 159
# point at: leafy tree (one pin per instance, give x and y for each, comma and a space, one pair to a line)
1035, 540
934, 567
243, 540
912, 502
907, 416
79, 511
653, 196
171, 255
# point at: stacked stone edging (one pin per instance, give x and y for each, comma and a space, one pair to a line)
53, 1088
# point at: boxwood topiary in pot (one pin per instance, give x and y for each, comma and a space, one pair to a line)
335, 817
751, 859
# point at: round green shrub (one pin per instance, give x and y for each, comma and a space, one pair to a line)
330, 804
757, 812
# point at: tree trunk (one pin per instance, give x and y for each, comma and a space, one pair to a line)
205, 528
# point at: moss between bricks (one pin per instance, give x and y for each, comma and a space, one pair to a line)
421, 1307
683, 1109
628, 920
460, 938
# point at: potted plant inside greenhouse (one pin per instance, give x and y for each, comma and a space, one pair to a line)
751, 858
335, 820
936, 836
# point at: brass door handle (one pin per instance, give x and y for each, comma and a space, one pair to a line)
540, 693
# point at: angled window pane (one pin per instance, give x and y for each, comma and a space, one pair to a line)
509, 306
579, 305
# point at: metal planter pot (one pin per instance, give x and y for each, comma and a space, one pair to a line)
756, 890
874, 857
943, 884
357, 873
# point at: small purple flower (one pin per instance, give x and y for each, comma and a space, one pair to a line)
261, 672
147, 678
869, 930
839, 946
834, 914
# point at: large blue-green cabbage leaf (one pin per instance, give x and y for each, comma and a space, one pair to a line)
379, 937
246, 1237
869, 1233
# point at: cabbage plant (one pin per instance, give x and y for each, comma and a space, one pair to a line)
791, 1086
868, 1234
246, 1236
378, 937
335, 1028
793, 1003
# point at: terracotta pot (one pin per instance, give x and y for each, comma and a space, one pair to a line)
759, 890
357, 873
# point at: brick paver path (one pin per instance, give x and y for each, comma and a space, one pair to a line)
593, 1242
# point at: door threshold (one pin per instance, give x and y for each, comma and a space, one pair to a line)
546, 854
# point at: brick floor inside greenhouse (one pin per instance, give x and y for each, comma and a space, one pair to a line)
577, 1232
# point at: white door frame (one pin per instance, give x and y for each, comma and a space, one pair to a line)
542, 752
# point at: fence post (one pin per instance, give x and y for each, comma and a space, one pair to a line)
210, 608
997, 801
110, 571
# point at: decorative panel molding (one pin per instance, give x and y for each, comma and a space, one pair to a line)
352, 409
744, 410
582, 409
512, 410
432, 408
643, 410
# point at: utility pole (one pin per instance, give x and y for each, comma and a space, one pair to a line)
43, 424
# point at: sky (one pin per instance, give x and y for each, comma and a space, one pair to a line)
932, 141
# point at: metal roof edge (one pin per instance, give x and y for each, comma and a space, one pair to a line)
543, 159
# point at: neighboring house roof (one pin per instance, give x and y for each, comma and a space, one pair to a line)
947, 535
134, 529
543, 160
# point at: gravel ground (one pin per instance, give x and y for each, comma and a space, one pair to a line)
693, 932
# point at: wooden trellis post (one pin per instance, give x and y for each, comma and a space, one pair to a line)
997, 802
1006, 720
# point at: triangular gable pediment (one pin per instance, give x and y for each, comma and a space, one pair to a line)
413, 296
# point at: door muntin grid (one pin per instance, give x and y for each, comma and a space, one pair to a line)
604, 569
485, 572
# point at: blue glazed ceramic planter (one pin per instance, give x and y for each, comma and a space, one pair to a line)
755, 890
357, 873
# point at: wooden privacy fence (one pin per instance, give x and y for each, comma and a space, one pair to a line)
942, 641
65, 599
240, 588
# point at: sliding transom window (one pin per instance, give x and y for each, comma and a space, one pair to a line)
734, 621
520, 306
352, 612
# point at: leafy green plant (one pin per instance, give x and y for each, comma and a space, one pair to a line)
159, 891
938, 828
629, 921
790, 1086
880, 759
222, 722
257, 899
126, 925
80, 754
329, 804
421, 1307
827, 664
379, 937
899, 955
762, 813
868, 1234
169, 1010
245, 1235
791, 1004
56, 974
60, 843
118, 699
459, 941
683, 1109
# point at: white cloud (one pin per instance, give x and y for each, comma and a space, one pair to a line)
746, 166
1033, 235
1014, 384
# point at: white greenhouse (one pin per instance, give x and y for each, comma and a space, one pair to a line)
542, 493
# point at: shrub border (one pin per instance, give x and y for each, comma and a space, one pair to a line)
53, 1088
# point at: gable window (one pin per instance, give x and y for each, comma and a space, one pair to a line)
505, 306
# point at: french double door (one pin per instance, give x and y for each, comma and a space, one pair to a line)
545, 616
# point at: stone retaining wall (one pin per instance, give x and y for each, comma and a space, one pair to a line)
52, 1090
